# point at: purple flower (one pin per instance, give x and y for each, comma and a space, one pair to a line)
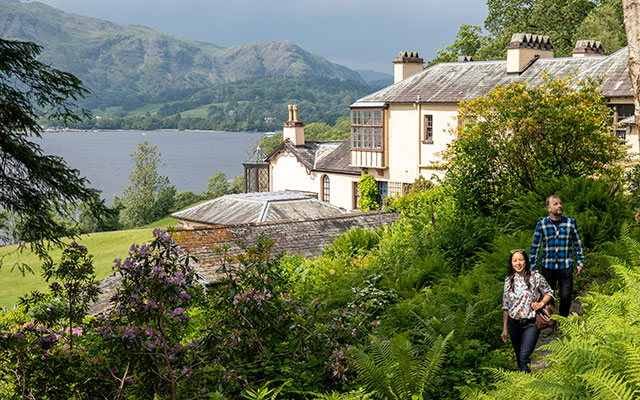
185, 295
19, 335
178, 311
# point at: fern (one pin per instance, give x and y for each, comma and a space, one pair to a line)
632, 359
392, 370
606, 386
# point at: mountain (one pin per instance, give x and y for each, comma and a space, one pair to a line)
375, 78
130, 65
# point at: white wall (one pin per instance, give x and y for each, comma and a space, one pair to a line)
409, 156
289, 174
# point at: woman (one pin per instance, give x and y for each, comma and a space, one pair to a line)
521, 288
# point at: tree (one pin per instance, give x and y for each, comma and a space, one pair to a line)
237, 184
31, 183
150, 196
631, 9
79, 286
559, 19
468, 41
605, 24
218, 185
516, 137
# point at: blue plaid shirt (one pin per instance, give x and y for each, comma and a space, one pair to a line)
557, 243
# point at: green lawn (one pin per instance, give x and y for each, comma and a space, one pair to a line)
201, 111
104, 246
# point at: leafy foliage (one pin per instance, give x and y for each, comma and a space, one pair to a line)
218, 185
150, 196
260, 332
392, 370
36, 188
468, 42
564, 21
368, 190
517, 137
255, 104
148, 320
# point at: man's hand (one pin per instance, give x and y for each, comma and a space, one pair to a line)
578, 271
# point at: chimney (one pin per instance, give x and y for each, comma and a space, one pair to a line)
406, 64
465, 58
293, 129
524, 49
588, 48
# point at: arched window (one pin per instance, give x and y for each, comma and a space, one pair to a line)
326, 189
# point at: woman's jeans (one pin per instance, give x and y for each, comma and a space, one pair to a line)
524, 336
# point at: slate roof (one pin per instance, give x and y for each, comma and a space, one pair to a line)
257, 207
307, 237
615, 71
320, 156
453, 82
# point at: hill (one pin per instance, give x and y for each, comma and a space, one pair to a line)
132, 65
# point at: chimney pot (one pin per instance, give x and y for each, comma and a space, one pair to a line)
523, 49
406, 64
588, 48
293, 129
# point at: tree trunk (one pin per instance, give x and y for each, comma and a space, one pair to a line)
631, 9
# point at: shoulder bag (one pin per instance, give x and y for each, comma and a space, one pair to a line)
543, 315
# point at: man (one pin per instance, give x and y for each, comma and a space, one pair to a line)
558, 234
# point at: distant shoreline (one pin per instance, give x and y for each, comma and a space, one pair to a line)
57, 130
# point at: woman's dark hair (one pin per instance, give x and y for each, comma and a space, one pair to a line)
527, 269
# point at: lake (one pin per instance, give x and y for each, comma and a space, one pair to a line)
191, 157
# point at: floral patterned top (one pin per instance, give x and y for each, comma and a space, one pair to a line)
518, 302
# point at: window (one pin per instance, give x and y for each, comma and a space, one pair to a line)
326, 189
428, 129
622, 133
395, 189
621, 111
382, 192
356, 195
366, 129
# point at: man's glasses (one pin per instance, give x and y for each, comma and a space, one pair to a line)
517, 251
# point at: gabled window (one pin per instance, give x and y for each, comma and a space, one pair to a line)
428, 129
366, 129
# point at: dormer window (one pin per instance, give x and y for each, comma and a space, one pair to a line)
366, 129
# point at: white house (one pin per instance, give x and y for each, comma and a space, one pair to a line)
399, 132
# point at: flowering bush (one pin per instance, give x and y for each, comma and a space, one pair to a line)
260, 332
145, 326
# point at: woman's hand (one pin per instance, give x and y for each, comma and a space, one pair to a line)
504, 335
536, 305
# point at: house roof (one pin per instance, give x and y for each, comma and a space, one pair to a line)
320, 156
453, 82
307, 237
338, 160
257, 207
614, 71
257, 157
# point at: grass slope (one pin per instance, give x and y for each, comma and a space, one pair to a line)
104, 246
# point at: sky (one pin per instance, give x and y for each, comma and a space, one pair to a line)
361, 34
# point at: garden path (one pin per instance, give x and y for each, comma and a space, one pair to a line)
548, 335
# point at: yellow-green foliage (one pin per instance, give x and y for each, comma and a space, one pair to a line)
368, 192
